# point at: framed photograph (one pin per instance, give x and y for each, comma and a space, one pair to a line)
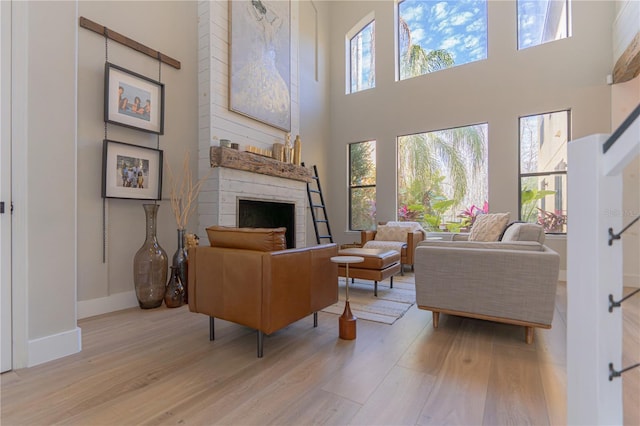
260, 61
131, 171
133, 100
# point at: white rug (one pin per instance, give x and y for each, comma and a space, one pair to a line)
391, 303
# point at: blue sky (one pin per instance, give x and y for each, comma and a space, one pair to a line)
460, 26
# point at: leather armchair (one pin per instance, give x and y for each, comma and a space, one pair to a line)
243, 280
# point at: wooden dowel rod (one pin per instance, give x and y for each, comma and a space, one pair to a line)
115, 36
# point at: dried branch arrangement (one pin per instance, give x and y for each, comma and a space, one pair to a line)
183, 193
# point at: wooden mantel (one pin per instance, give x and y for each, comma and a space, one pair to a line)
250, 162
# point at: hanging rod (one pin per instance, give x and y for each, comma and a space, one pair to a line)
613, 373
122, 39
617, 236
613, 304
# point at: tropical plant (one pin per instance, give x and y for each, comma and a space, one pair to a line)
529, 198
469, 214
415, 60
362, 185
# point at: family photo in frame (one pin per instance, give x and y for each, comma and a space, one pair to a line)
133, 100
131, 171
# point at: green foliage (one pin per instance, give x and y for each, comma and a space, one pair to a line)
529, 198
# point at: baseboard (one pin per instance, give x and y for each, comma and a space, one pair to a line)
562, 276
631, 280
104, 305
53, 347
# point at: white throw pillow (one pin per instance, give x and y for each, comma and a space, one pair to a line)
392, 233
488, 227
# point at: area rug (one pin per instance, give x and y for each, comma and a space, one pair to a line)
390, 305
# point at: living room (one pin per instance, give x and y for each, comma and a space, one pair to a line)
72, 249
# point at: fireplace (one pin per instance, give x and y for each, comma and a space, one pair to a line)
268, 214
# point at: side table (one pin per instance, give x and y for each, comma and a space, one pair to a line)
347, 321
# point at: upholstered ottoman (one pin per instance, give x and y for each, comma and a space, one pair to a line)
378, 265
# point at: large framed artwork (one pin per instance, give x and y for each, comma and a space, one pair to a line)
260, 61
131, 171
133, 100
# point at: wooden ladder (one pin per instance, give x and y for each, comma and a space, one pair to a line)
316, 203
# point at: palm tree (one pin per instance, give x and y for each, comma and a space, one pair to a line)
414, 60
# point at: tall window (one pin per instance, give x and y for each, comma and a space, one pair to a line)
433, 35
543, 170
363, 59
362, 185
542, 21
442, 177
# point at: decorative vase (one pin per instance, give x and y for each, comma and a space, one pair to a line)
150, 264
180, 261
174, 293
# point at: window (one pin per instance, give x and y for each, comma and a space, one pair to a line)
363, 59
442, 177
362, 186
433, 35
542, 21
543, 170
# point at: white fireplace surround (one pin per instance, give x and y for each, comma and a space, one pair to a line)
218, 199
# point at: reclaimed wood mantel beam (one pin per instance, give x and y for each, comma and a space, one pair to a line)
250, 162
122, 39
627, 66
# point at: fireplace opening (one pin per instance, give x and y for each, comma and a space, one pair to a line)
268, 214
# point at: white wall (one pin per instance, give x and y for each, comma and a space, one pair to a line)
569, 73
44, 181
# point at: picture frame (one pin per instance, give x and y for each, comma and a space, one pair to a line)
260, 61
133, 100
131, 171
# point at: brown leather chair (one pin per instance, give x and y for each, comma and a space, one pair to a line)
247, 277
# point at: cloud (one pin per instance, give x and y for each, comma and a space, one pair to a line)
471, 41
440, 10
476, 25
461, 18
449, 43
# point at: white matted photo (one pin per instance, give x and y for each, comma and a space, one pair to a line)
131, 171
133, 100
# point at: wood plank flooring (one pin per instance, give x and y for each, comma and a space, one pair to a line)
157, 367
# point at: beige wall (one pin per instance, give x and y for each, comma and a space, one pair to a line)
569, 73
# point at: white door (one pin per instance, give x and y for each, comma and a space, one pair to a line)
5, 186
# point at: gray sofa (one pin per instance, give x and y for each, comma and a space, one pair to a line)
511, 281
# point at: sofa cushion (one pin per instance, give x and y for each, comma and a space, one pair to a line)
392, 233
524, 232
488, 227
486, 245
260, 239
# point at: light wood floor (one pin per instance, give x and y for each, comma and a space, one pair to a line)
158, 367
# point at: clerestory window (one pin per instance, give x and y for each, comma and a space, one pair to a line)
433, 35
542, 21
362, 74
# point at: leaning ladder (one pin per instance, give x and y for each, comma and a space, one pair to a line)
316, 203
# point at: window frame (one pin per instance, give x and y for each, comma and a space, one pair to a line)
350, 35
351, 186
550, 174
568, 25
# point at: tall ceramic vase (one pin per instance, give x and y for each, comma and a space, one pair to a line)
180, 262
150, 264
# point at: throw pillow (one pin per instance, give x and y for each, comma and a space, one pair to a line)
261, 239
488, 227
524, 232
392, 233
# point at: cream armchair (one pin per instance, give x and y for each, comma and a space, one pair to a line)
511, 281
247, 277
399, 236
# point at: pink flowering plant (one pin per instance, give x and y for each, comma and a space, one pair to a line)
469, 215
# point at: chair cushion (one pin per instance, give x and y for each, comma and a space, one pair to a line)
260, 239
386, 245
392, 233
524, 232
488, 227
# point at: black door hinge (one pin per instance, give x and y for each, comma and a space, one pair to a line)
1, 207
